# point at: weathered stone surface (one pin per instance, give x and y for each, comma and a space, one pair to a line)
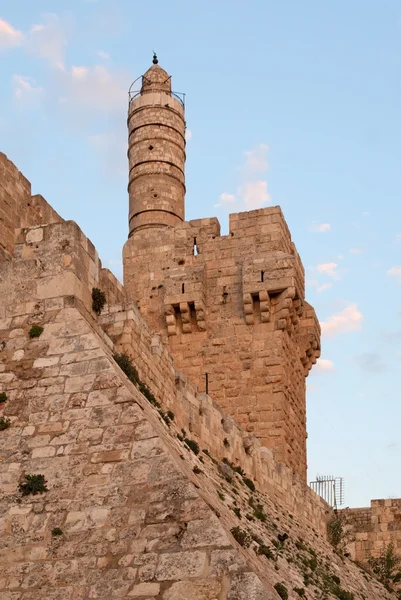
181, 565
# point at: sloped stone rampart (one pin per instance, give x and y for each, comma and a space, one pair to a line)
140, 515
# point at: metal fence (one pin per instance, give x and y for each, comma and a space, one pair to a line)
330, 488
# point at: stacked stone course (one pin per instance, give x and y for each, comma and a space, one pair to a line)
373, 529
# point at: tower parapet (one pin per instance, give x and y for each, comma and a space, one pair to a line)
156, 153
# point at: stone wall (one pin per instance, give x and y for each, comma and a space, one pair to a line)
18, 208
373, 529
237, 315
56, 264
129, 511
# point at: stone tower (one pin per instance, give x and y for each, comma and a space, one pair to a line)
156, 152
231, 308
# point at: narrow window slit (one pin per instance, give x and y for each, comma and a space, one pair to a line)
183, 288
262, 276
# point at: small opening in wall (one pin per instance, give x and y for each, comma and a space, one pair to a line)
183, 288
150, 147
154, 195
262, 276
196, 251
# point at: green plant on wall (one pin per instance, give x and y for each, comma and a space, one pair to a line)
98, 300
386, 567
35, 331
337, 533
4, 423
33, 484
3, 397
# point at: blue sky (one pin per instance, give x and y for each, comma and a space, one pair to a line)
289, 103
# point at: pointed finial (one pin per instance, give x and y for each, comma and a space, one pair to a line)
155, 60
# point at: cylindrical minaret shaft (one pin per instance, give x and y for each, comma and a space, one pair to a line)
156, 152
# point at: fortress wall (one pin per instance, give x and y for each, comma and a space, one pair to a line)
56, 266
18, 208
204, 420
134, 518
374, 528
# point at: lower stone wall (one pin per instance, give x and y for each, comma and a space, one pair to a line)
205, 421
373, 529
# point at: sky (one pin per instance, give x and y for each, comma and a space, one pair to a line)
288, 103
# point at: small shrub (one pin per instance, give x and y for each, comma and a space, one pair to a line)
226, 443
386, 567
197, 470
248, 482
35, 331
313, 563
343, 594
239, 470
265, 551
336, 579
206, 451
125, 364
3, 397
221, 495
258, 513
57, 531
335, 531
34, 484
237, 512
300, 592
194, 446
241, 536
171, 415
4, 423
148, 394
98, 300
281, 590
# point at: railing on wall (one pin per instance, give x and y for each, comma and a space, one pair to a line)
330, 488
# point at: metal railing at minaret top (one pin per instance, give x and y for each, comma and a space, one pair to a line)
134, 93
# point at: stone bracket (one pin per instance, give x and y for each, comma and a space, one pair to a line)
176, 313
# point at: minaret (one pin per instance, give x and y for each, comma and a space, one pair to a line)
156, 152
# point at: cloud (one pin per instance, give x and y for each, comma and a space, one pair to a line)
188, 135
9, 37
256, 159
323, 366
48, 41
26, 90
254, 194
95, 88
356, 251
323, 287
370, 362
395, 272
320, 227
349, 319
225, 199
328, 269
